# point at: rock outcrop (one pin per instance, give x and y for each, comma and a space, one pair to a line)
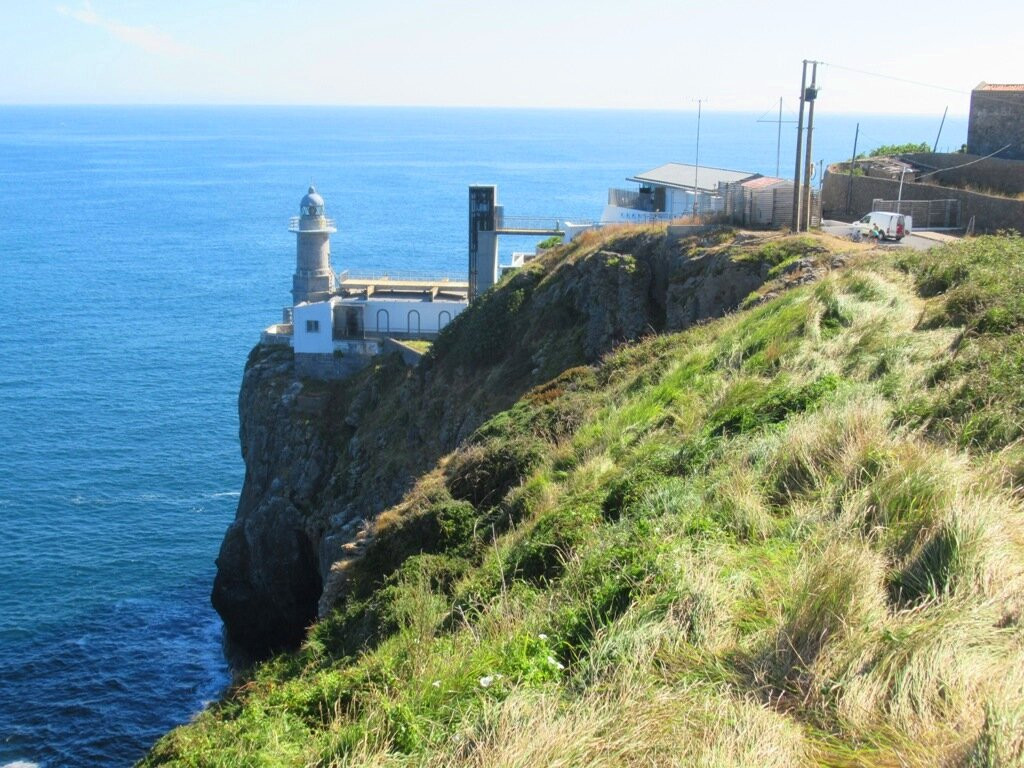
323, 459
268, 579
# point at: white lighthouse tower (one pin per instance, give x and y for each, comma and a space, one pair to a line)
313, 280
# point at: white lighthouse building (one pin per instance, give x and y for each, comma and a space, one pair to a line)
313, 279
336, 325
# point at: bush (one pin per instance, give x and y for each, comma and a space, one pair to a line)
484, 474
751, 405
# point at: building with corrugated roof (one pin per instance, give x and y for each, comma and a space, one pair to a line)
671, 191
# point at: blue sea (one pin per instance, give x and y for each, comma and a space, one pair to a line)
141, 252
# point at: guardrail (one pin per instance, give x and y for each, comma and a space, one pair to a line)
528, 224
323, 224
412, 276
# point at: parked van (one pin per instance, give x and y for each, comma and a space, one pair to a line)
885, 225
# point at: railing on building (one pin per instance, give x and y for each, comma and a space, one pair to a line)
410, 276
323, 224
528, 224
277, 335
631, 198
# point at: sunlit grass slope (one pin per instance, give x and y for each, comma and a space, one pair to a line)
792, 536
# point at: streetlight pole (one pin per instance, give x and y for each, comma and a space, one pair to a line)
899, 195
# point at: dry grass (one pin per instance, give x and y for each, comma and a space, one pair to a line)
628, 724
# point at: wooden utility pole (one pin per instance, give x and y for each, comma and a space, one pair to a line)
853, 162
811, 96
799, 155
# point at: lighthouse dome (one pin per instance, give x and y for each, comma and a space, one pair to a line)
312, 204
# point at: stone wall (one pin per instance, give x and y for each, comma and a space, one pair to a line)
990, 174
410, 356
997, 119
991, 213
329, 367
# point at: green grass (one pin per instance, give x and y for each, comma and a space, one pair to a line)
792, 536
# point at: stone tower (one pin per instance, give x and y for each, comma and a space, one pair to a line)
313, 279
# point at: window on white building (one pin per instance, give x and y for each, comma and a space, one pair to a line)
312, 326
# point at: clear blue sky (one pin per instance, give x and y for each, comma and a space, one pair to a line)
656, 54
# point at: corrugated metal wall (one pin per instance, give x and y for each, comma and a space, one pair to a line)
771, 207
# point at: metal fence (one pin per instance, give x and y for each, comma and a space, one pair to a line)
528, 224
927, 214
771, 207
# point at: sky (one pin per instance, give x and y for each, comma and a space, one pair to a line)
630, 54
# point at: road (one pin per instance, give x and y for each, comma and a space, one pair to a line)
920, 241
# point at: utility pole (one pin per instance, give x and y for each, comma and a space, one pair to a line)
811, 96
936, 147
853, 162
799, 157
696, 165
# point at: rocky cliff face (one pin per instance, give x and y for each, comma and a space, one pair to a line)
323, 459
268, 581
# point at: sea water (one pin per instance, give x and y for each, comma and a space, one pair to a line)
141, 252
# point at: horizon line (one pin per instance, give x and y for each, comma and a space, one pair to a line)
490, 107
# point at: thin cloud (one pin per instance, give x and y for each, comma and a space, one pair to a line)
149, 39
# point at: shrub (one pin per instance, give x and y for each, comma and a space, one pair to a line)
751, 405
484, 474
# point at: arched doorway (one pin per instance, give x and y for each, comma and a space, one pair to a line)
443, 319
414, 321
383, 321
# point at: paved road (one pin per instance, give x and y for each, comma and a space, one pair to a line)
921, 241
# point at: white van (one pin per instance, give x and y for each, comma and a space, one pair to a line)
885, 225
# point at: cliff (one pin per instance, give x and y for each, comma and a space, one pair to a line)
788, 535
322, 460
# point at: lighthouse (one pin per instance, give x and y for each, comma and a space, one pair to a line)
313, 279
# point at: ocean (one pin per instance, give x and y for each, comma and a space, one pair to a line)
142, 249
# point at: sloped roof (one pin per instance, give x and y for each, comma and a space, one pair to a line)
683, 176
764, 182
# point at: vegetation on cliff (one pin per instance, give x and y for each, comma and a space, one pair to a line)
792, 535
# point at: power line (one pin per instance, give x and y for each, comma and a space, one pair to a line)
964, 165
893, 77
988, 94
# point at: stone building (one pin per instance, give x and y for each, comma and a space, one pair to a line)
997, 120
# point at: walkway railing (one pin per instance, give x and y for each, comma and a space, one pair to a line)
323, 224
528, 224
401, 277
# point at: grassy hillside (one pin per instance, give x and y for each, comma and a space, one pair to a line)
789, 536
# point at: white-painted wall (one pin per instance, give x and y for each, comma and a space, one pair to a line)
313, 342
433, 315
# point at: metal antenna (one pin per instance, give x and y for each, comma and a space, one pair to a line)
778, 142
696, 159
